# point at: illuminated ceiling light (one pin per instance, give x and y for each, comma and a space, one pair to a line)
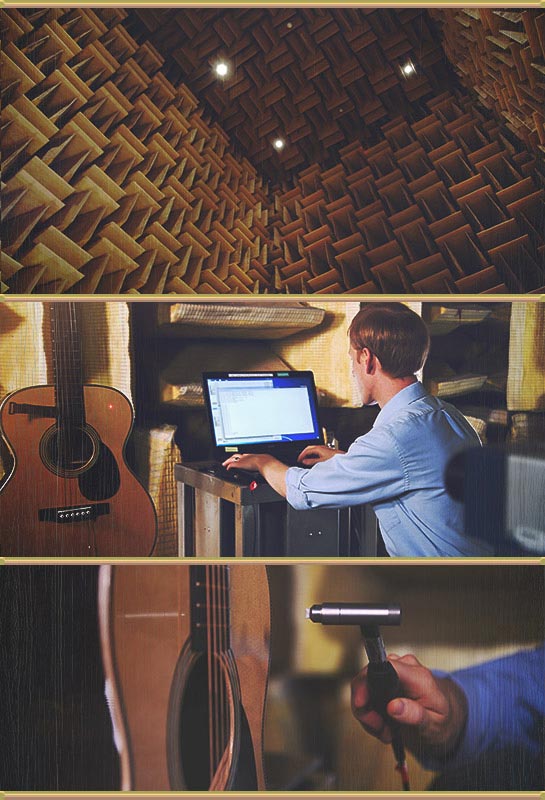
408, 69
221, 68
279, 144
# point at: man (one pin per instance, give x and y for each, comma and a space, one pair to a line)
484, 724
398, 466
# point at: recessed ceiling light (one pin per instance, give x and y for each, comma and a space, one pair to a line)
222, 69
289, 25
279, 144
408, 69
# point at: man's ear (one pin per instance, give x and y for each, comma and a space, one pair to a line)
371, 361
366, 356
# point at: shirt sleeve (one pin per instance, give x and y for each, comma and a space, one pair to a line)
506, 707
371, 470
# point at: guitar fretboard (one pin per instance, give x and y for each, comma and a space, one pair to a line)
210, 611
67, 364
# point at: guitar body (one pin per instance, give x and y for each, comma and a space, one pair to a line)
92, 507
159, 685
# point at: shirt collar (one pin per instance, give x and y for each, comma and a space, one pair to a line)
412, 392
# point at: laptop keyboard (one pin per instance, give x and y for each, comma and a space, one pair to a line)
242, 477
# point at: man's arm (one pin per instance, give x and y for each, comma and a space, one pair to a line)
274, 471
371, 470
454, 720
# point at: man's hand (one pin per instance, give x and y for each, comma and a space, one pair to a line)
432, 713
316, 452
254, 462
273, 471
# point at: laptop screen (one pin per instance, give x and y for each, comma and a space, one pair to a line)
262, 411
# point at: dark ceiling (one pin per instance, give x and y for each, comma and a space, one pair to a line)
318, 77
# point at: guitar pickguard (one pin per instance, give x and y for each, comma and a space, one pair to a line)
102, 480
245, 777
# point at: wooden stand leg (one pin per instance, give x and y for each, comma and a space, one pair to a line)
207, 525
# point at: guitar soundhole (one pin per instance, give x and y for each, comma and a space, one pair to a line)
203, 736
69, 451
203, 731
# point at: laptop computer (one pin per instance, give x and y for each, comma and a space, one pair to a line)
274, 412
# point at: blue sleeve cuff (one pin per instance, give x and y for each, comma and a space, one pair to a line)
294, 495
506, 707
473, 741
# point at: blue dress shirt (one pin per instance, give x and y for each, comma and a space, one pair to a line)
398, 467
506, 709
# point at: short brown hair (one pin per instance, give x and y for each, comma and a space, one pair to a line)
395, 334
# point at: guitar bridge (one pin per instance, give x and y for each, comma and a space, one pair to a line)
72, 514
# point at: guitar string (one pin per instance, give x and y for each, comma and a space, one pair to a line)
212, 699
215, 668
71, 431
73, 444
59, 365
217, 664
63, 487
209, 656
220, 712
218, 716
78, 376
222, 649
77, 355
225, 648
76, 436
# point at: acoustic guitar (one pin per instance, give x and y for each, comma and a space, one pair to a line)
70, 491
186, 653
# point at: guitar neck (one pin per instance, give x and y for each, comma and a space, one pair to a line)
67, 364
210, 608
